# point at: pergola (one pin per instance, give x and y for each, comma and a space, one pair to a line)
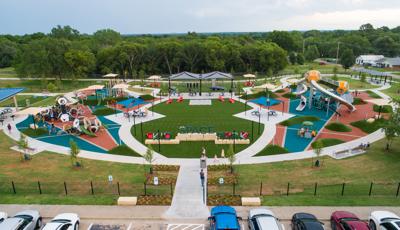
374, 73
200, 77
6, 93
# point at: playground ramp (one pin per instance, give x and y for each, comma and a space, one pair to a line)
334, 96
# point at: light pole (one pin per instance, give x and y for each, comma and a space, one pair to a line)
337, 52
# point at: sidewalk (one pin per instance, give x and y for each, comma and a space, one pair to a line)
187, 202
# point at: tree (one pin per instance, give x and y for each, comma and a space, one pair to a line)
231, 157
64, 32
347, 59
300, 59
81, 62
8, 51
317, 148
74, 152
312, 53
22, 144
392, 126
149, 157
284, 39
363, 78
292, 58
387, 46
335, 70
105, 38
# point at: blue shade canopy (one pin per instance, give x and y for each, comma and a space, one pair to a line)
6, 93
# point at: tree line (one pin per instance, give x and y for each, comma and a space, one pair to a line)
66, 53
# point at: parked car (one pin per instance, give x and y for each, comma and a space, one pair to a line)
65, 221
263, 219
306, 221
384, 220
342, 220
224, 217
25, 220
3, 216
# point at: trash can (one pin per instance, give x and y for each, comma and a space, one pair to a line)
203, 163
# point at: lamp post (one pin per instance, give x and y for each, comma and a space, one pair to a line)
245, 103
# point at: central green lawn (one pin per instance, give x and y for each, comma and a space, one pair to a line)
219, 116
357, 84
36, 101
38, 86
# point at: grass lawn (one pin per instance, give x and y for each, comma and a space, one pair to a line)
338, 127
299, 120
377, 165
105, 111
272, 150
359, 101
368, 127
52, 170
7, 72
35, 132
326, 142
373, 94
393, 91
33, 101
37, 86
290, 69
357, 84
219, 116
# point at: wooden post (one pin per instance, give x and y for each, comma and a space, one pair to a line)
370, 188
315, 188
343, 188
288, 186
91, 187
13, 187
40, 189
261, 187
65, 188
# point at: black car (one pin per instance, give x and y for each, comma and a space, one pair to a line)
306, 221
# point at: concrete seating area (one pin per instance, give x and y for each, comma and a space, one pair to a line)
163, 142
127, 201
251, 201
231, 141
196, 136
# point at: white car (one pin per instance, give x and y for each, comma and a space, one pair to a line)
384, 220
65, 221
25, 220
262, 219
3, 216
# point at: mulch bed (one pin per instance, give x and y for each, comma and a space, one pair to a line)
154, 200
232, 200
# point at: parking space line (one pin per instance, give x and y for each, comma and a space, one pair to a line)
90, 226
129, 226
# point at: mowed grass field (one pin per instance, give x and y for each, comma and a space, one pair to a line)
37, 86
53, 169
219, 116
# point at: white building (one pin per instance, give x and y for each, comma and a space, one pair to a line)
393, 63
368, 60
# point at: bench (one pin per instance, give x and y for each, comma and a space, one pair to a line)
251, 201
127, 201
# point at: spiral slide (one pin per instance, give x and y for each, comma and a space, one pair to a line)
334, 96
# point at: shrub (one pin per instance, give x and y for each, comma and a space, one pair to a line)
124, 150
358, 101
326, 142
51, 87
147, 97
35, 132
289, 95
299, 120
369, 127
384, 109
338, 127
272, 150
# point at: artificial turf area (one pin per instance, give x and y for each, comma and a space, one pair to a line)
219, 116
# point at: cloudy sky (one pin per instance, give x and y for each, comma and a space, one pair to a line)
177, 16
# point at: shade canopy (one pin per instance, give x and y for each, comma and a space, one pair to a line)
111, 75
6, 93
95, 87
249, 75
121, 86
307, 123
371, 72
206, 76
31, 111
154, 77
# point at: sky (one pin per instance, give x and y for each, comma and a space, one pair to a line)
180, 16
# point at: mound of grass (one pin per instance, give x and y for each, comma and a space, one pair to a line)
369, 127
272, 150
326, 142
35, 132
103, 111
257, 95
359, 101
384, 109
147, 97
289, 95
373, 94
280, 91
124, 150
338, 127
299, 120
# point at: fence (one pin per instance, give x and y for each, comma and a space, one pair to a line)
309, 189
83, 188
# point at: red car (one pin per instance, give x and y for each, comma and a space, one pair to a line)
342, 220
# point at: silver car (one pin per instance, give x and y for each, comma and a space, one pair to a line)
25, 220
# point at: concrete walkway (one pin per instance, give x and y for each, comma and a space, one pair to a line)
189, 201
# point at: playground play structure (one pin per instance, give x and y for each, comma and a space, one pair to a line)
341, 94
72, 118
